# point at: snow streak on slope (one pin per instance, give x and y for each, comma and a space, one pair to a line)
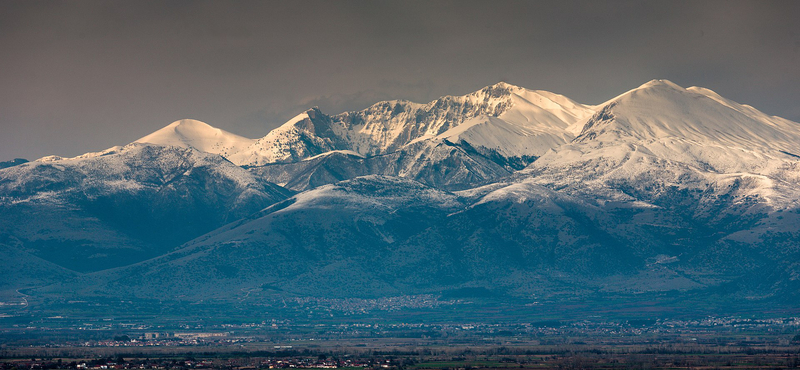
507, 139
189, 133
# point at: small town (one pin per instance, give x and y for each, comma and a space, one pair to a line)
320, 362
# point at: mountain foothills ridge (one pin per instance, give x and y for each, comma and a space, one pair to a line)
521, 193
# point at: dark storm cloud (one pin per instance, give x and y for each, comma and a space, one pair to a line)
80, 76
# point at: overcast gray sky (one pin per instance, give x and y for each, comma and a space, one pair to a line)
81, 76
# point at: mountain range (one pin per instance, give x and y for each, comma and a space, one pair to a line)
514, 193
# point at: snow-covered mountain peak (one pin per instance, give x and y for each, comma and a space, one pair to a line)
523, 116
189, 133
504, 85
662, 132
661, 109
304, 135
659, 83
498, 90
662, 88
649, 87
190, 124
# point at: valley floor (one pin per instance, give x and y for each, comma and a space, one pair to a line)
712, 342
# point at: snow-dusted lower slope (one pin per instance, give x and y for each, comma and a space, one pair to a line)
189, 133
335, 241
124, 204
387, 236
